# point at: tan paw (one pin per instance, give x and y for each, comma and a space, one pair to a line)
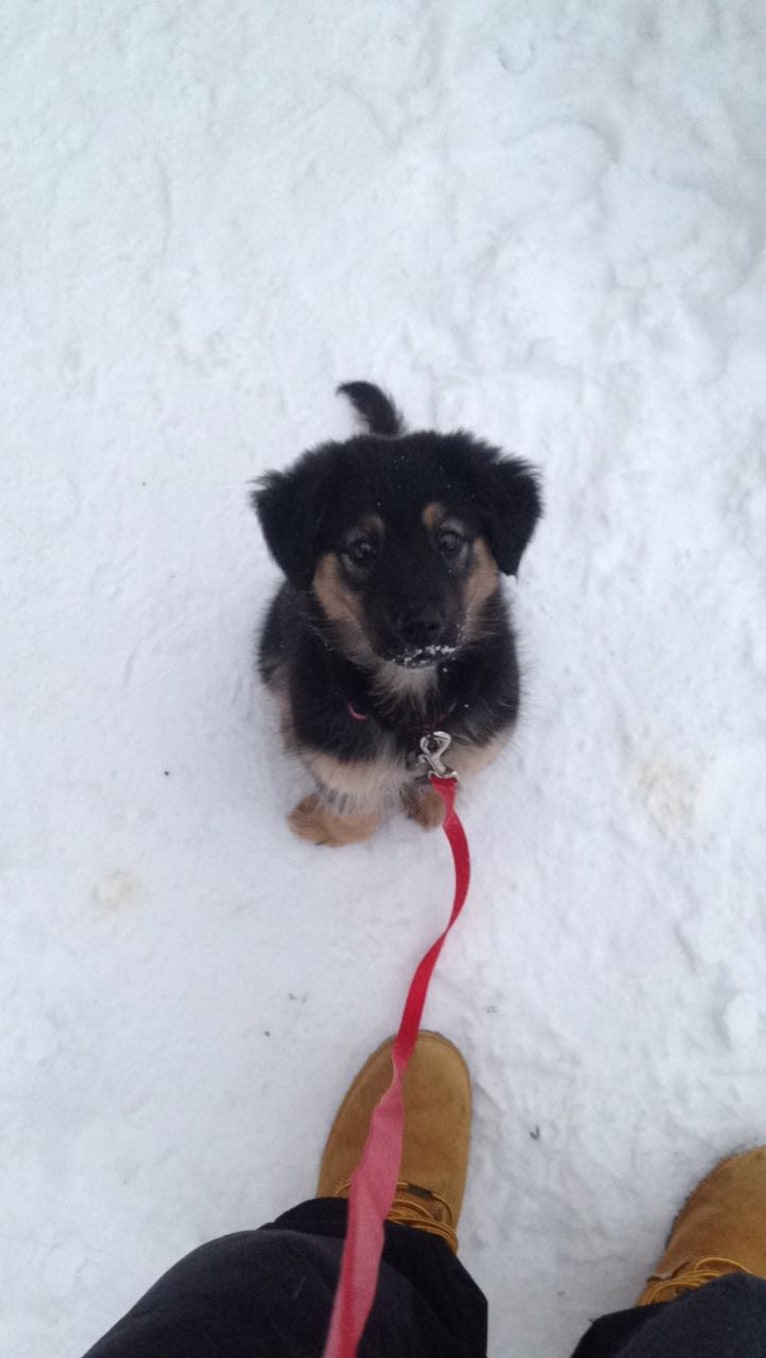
425, 806
315, 821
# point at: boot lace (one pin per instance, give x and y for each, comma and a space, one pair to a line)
703, 1271
415, 1206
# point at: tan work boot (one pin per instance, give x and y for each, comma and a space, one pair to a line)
437, 1129
720, 1229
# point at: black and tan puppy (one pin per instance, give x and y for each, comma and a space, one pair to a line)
391, 622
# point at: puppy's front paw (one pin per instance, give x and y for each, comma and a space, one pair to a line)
313, 820
425, 806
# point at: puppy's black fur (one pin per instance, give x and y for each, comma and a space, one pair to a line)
391, 621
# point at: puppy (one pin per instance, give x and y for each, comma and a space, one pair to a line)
391, 622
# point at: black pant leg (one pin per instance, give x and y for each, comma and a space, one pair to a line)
268, 1294
724, 1319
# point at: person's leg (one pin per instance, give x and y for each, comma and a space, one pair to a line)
250, 1295
707, 1296
269, 1293
724, 1319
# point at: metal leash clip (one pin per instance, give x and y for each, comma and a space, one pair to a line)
433, 746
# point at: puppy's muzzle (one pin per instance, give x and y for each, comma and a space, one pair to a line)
421, 627
424, 637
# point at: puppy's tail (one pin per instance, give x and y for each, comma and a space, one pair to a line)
375, 407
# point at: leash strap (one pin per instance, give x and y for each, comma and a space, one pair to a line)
373, 1183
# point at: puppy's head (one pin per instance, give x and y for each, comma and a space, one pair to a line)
401, 541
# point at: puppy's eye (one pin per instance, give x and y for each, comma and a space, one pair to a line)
361, 552
449, 542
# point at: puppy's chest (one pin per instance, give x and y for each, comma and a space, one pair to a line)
395, 727
358, 716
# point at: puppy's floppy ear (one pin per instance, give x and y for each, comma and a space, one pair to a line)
511, 504
289, 510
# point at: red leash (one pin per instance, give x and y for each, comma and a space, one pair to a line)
373, 1183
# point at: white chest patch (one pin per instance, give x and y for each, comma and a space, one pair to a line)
393, 682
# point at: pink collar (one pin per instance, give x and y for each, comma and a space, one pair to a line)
364, 716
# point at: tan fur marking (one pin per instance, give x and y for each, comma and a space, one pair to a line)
481, 583
277, 685
369, 783
468, 760
286, 721
373, 521
339, 602
424, 805
315, 821
432, 514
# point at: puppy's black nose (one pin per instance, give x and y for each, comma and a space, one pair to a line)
421, 626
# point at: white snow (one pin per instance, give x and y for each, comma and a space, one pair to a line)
545, 223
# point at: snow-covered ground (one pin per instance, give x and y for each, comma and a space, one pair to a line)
546, 223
